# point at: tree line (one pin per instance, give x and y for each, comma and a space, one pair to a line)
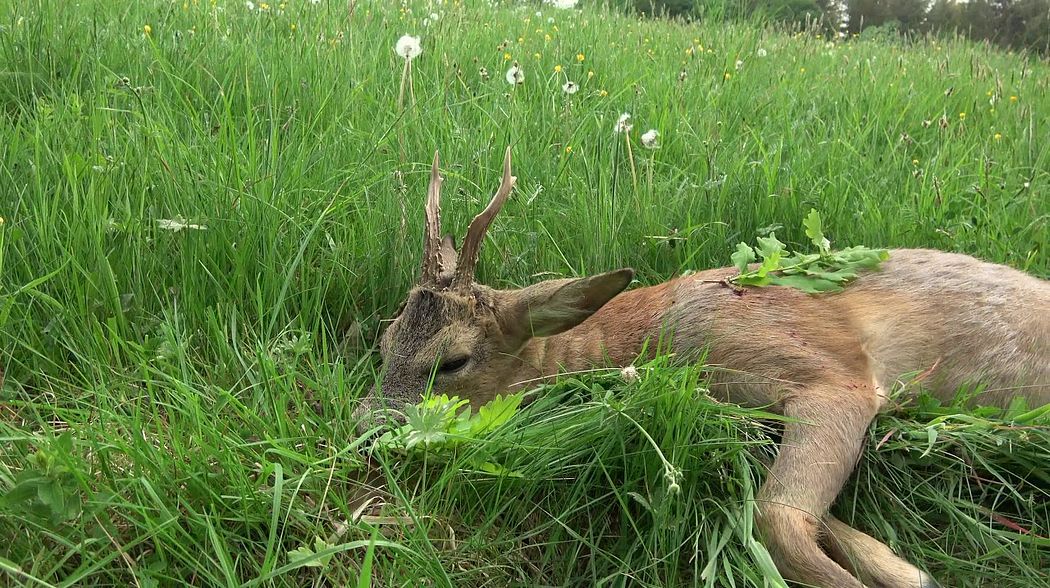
1011, 24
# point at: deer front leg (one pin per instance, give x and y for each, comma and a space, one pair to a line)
818, 452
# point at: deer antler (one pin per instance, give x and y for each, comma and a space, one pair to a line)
432, 231
468, 254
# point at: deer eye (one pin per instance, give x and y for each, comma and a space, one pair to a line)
453, 365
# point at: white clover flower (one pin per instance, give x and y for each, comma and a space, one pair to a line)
249, 5
739, 64
623, 124
570, 87
761, 52
563, 3
408, 47
515, 75
629, 374
650, 139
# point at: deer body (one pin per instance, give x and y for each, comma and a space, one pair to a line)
956, 320
828, 362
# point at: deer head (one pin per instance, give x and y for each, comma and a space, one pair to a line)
456, 336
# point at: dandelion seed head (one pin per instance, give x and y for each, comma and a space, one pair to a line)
408, 47
515, 75
650, 139
570, 87
629, 374
623, 124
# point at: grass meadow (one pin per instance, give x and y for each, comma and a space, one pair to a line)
208, 209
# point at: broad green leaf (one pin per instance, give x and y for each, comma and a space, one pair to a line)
771, 250
25, 489
496, 412
425, 426
497, 470
743, 255
808, 284
307, 556
815, 231
752, 280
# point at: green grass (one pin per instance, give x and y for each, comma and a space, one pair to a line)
175, 407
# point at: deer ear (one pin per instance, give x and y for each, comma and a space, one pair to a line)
448, 258
555, 306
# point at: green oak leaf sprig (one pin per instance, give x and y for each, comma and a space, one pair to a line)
814, 273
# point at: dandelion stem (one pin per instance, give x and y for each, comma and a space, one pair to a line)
630, 158
401, 92
411, 86
405, 77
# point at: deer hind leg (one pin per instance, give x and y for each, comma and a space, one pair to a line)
818, 452
869, 559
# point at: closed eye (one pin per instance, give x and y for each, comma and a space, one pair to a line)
453, 365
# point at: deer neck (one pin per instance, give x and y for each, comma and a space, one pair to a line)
612, 337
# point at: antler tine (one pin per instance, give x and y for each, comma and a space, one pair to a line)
468, 254
432, 229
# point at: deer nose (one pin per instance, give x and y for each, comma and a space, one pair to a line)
373, 410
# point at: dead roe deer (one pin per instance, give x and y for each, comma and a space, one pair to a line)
827, 361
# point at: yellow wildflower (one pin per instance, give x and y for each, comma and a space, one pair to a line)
1013, 98
590, 74
580, 57
962, 116
997, 136
603, 93
568, 149
557, 69
547, 37
147, 29
506, 57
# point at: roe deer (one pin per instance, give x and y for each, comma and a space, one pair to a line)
827, 361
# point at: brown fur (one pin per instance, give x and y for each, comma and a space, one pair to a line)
826, 361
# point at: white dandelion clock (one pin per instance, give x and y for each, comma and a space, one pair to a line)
249, 5
651, 139
623, 124
570, 87
408, 47
629, 374
515, 75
